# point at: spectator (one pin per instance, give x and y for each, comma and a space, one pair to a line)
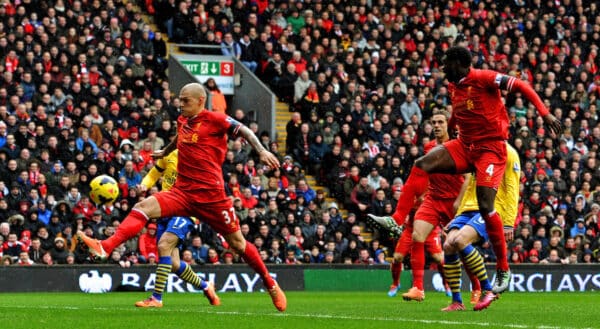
249, 51
13, 247
35, 251
84, 207
579, 227
81, 91
361, 197
553, 258
132, 177
218, 103
147, 242
24, 259
286, 85
59, 253
199, 250
409, 109
305, 191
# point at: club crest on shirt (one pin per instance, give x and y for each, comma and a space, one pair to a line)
470, 104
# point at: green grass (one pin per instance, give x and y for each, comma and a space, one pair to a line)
305, 310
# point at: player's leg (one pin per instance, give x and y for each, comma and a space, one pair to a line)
166, 244
415, 186
438, 160
433, 246
495, 229
452, 271
396, 271
438, 259
402, 248
456, 225
489, 165
421, 230
129, 227
185, 272
252, 257
462, 241
221, 217
475, 285
177, 230
473, 261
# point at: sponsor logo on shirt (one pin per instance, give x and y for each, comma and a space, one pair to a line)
189, 138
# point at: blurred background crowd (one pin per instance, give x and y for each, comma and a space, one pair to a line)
84, 92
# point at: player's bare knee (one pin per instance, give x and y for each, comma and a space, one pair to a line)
461, 242
419, 163
398, 258
418, 237
142, 207
486, 208
238, 245
437, 258
164, 247
448, 247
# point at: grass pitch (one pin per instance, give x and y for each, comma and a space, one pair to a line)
305, 310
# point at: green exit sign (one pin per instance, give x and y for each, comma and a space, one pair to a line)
222, 71
209, 67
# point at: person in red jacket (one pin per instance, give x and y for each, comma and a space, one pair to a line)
84, 207
147, 241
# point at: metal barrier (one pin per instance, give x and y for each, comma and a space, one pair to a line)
250, 93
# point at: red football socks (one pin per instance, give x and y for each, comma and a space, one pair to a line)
130, 227
415, 186
252, 258
493, 225
440, 269
396, 268
417, 262
475, 284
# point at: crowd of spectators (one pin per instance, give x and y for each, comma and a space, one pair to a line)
83, 92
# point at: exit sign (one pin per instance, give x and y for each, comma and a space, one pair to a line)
221, 71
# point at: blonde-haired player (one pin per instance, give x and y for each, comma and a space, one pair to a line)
468, 227
170, 233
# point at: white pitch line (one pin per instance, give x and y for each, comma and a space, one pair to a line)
301, 315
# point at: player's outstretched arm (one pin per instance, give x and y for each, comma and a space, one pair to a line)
266, 157
513, 84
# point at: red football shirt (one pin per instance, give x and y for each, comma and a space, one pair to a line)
202, 144
477, 106
443, 186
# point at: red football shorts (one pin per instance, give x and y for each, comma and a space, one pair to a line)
433, 243
488, 159
220, 215
404, 244
436, 211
